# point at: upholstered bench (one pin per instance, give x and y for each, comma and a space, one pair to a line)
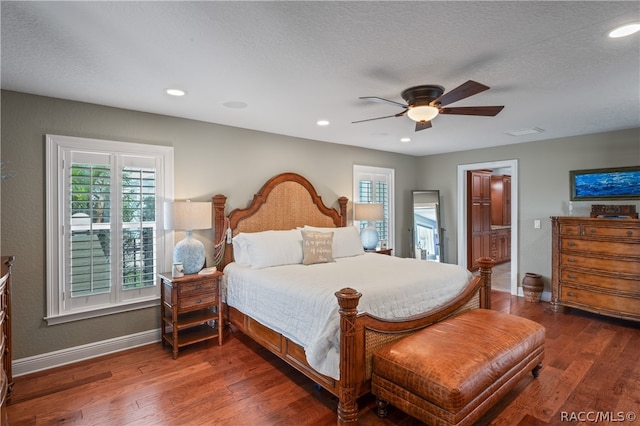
452, 372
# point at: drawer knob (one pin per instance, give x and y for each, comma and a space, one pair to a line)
571, 244
571, 260
593, 231
198, 287
571, 276
570, 294
629, 233
198, 301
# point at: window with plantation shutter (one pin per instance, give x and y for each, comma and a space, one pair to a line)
105, 242
375, 185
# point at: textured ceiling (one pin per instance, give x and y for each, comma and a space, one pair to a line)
293, 63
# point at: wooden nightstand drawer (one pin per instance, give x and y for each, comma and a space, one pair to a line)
197, 302
196, 287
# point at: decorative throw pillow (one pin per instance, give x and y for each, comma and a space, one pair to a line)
346, 241
316, 247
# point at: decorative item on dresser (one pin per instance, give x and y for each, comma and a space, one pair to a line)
188, 307
6, 379
596, 265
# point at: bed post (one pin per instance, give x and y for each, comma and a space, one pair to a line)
342, 201
348, 299
486, 263
219, 202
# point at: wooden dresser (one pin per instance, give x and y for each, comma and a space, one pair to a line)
596, 265
6, 377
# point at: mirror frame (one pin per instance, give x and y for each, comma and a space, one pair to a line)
438, 226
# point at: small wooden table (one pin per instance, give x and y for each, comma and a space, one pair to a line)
190, 309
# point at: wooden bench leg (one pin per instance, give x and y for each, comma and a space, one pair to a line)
536, 370
382, 408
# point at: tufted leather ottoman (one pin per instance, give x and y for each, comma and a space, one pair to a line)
452, 372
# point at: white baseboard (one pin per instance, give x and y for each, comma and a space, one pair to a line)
49, 360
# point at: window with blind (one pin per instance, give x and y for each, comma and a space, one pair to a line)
105, 238
375, 185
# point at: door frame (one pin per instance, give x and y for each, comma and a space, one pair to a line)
462, 212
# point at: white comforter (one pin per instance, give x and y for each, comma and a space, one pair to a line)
299, 300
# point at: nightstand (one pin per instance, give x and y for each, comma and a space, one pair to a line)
190, 309
381, 251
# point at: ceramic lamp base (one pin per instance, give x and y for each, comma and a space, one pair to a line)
369, 237
189, 252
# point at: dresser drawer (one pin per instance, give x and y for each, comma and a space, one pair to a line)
197, 287
604, 247
629, 285
569, 229
197, 302
601, 264
606, 231
597, 300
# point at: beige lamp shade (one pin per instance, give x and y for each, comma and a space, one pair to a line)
187, 215
368, 212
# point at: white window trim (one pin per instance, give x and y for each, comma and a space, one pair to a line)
54, 146
360, 169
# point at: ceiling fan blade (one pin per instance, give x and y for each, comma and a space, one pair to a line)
400, 114
487, 111
421, 125
465, 90
382, 101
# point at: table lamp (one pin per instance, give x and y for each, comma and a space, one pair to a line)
187, 216
370, 213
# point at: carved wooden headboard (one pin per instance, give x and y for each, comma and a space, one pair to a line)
285, 201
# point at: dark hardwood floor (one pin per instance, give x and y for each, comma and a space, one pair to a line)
591, 366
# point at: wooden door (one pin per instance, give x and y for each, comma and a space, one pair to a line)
479, 217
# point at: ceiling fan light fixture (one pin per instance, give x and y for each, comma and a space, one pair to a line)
422, 113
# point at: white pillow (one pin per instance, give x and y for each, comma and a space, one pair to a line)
241, 250
270, 248
346, 241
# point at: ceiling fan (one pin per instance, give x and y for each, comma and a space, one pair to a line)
425, 102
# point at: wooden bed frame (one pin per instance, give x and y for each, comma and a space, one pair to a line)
287, 201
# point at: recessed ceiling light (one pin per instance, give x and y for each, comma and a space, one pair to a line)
322, 122
405, 140
235, 104
175, 92
625, 30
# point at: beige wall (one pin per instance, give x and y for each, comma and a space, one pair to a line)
543, 185
209, 159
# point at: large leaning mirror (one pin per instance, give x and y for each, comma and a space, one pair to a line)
427, 238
